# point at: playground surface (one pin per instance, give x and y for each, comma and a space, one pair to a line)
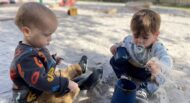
92, 32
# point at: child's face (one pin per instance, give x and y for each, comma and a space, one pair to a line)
145, 39
39, 38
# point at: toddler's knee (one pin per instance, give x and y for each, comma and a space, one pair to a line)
112, 61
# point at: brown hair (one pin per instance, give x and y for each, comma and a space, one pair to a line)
145, 21
33, 14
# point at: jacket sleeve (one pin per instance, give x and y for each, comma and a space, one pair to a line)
32, 70
164, 59
165, 62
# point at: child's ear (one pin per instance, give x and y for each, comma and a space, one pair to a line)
26, 31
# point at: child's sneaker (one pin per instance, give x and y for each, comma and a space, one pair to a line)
125, 77
83, 63
142, 94
141, 100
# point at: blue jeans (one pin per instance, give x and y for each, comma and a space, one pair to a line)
140, 74
128, 69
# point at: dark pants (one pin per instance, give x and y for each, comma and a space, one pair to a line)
128, 69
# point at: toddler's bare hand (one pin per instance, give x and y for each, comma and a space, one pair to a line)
113, 49
57, 59
154, 67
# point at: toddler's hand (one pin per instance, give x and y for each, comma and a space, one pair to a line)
72, 86
113, 49
57, 59
154, 67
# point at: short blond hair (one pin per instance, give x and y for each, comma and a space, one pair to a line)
33, 14
145, 21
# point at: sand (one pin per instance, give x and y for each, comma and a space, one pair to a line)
91, 33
